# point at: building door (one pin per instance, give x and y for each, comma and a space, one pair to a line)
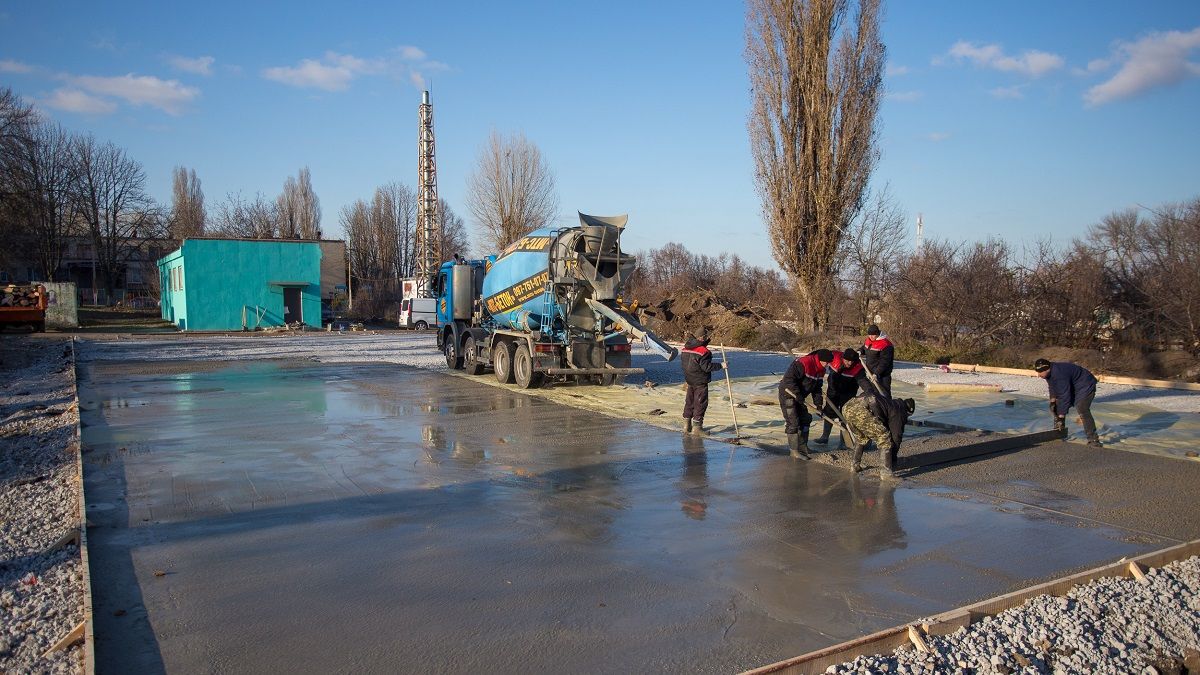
292, 308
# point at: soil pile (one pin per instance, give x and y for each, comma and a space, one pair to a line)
702, 311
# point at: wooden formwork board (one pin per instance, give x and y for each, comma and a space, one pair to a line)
1106, 379
885, 641
991, 446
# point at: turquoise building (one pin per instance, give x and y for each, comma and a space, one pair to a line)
235, 284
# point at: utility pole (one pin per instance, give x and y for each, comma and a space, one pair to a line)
920, 232
428, 242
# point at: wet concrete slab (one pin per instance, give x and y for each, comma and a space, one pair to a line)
270, 516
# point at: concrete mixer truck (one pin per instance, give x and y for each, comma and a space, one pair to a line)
545, 307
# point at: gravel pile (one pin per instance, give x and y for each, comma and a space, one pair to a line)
1112, 625
41, 587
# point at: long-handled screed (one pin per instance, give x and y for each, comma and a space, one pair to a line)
737, 435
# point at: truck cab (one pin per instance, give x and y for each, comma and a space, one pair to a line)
457, 290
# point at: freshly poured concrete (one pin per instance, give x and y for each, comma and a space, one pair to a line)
261, 518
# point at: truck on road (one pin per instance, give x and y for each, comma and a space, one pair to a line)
548, 306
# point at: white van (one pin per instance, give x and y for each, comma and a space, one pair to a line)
418, 313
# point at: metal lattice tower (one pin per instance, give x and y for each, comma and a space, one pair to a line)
428, 243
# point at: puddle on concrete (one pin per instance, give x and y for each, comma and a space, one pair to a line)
471, 519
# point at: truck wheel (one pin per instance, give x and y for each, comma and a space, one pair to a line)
502, 361
470, 357
453, 359
523, 369
421, 325
611, 380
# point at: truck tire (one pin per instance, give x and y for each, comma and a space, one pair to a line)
453, 358
523, 369
611, 380
470, 357
502, 361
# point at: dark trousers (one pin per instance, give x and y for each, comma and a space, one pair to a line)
885, 384
695, 403
796, 417
1084, 406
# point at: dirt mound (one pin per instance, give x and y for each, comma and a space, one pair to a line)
702, 312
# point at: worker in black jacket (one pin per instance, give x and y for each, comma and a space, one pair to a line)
872, 417
1070, 386
803, 378
878, 355
698, 368
846, 377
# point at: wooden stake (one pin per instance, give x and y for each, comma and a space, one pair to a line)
914, 636
67, 640
1138, 572
729, 387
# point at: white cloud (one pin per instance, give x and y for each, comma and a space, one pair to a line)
410, 53
1033, 63
74, 100
167, 95
1157, 60
895, 71
201, 65
10, 66
904, 96
1008, 92
335, 72
937, 136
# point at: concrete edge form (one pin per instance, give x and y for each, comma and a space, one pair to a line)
1105, 379
89, 633
948, 622
972, 450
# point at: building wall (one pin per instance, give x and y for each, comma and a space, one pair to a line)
223, 277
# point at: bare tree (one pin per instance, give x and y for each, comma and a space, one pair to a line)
298, 208
870, 254
512, 190
454, 239
248, 219
111, 200
812, 128
17, 123
187, 205
47, 177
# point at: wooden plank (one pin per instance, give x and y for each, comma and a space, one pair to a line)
1106, 379
885, 641
1138, 572
75, 635
947, 387
914, 636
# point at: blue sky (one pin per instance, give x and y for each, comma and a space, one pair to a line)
1021, 120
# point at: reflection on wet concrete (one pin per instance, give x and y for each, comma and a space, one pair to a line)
378, 518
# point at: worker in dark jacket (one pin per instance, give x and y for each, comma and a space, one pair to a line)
1071, 386
803, 379
872, 417
878, 354
698, 368
846, 377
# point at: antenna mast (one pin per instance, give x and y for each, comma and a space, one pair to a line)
428, 243
920, 232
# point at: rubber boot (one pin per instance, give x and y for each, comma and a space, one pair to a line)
858, 453
798, 450
698, 427
885, 462
687, 425
826, 427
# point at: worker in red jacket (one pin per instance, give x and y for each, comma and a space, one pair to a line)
698, 368
802, 379
878, 355
846, 377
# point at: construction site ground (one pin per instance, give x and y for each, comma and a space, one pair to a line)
327, 501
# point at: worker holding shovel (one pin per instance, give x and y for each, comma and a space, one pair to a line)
802, 379
847, 375
698, 368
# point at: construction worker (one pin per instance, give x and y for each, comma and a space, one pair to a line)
698, 368
802, 379
878, 354
877, 418
846, 377
1070, 386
